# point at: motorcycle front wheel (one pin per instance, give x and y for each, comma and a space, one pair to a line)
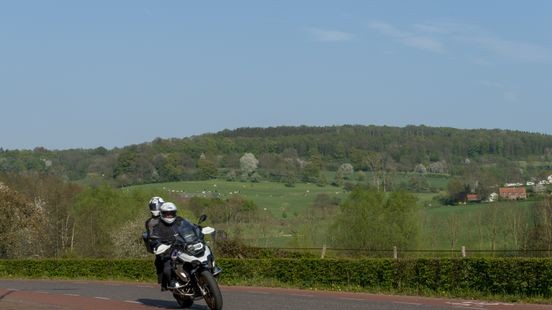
213, 296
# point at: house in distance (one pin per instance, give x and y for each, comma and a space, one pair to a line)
512, 193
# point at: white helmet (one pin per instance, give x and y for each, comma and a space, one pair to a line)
154, 205
168, 212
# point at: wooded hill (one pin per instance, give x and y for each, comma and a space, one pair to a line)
290, 154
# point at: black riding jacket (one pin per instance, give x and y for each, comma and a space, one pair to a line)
164, 233
150, 223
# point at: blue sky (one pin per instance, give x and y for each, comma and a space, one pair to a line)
77, 74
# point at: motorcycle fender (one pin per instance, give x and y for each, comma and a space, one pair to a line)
202, 259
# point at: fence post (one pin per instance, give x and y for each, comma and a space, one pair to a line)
395, 254
463, 251
323, 251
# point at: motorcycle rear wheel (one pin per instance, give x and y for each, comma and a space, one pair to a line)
213, 296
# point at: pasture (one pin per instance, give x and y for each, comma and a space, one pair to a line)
284, 218
272, 197
481, 227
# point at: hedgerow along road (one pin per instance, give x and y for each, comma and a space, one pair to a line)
95, 295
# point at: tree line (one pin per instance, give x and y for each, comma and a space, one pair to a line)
45, 216
291, 154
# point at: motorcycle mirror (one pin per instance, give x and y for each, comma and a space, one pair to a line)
202, 218
207, 230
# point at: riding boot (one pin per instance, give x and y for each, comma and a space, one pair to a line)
163, 283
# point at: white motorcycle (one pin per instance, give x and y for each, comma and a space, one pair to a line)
194, 266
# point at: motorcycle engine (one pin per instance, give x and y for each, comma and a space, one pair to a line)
182, 274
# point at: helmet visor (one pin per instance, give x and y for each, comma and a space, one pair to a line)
168, 214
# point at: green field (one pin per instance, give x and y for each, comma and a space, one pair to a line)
284, 220
483, 226
273, 197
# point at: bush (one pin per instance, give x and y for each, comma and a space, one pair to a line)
514, 278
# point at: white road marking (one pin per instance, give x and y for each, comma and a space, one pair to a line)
253, 292
353, 299
71, 294
103, 298
478, 304
133, 301
407, 303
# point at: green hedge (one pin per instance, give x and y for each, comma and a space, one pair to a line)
141, 270
516, 277
484, 276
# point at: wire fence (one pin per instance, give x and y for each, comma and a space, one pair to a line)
394, 252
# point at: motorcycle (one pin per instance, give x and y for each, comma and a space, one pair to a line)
194, 266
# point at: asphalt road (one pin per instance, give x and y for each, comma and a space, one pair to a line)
95, 295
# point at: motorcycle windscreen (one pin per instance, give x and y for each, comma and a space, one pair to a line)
188, 232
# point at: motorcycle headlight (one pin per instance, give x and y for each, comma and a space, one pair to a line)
195, 248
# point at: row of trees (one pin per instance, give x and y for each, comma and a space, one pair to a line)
371, 220
44, 216
290, 154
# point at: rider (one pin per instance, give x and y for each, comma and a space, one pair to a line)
154, 205
163, 233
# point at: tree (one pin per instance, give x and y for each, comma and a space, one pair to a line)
96, 213
370, 220
438, 167
517, 225
99, 212
417, 183
495, 223
172, 168
402, 217
453, 230
345, 171
375, 162
420, 168
457, 191
248, 165
21, 225
54, 198
311, 172
541, 236
207, 168
127, 241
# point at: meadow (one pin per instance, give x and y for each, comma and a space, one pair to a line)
272, 197
285, 219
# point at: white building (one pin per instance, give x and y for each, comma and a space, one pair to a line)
493, 197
